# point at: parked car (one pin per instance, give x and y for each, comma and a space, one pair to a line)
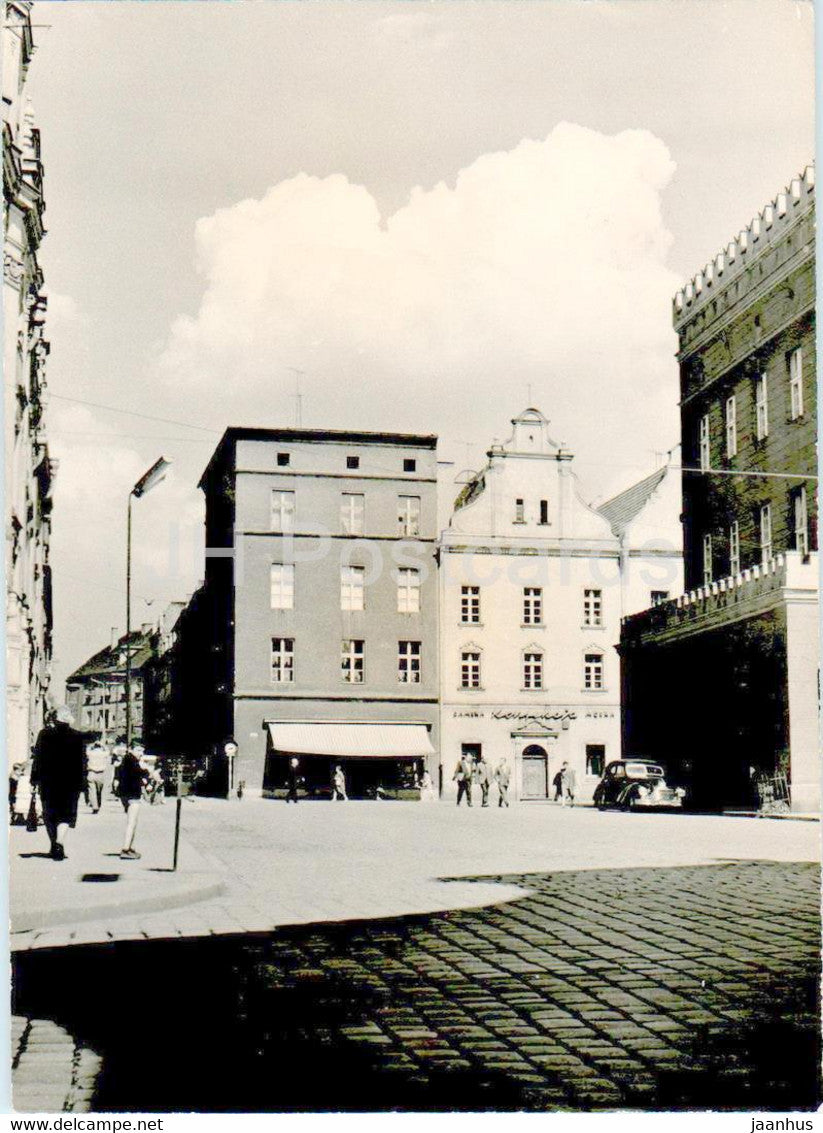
636, 784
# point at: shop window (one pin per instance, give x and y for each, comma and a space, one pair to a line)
595, 759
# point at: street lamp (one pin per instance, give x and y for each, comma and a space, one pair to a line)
145, 484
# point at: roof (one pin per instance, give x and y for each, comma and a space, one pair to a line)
107, 663
318, 436
621, 509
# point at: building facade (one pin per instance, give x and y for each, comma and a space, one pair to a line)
29, 472
738, 652
96, 691
534, 583
318, 618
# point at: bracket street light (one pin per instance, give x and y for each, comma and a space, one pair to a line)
147, 481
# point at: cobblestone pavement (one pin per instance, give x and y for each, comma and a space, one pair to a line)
687, 987
52, 1073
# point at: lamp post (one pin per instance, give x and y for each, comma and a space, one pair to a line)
145, 484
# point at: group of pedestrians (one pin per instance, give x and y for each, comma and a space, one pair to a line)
474, 772
65, 766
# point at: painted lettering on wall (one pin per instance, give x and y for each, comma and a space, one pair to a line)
560, 714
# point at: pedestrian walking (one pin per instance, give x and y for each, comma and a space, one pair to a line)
15, 775
463, 777
59, 773
502, 776
569, 785
480, 775
97, 760
339, 785
557, 783
128, 786
427, 791
293, 779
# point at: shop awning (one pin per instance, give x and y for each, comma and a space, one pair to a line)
353, 741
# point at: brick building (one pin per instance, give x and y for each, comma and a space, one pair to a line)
317, 624
739, 649
29, 472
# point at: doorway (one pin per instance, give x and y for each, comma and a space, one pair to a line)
535, 772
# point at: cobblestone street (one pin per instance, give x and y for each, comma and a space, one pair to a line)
646, 988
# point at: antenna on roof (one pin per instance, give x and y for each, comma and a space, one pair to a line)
298, 397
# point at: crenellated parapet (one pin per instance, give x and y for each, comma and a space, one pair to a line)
765, 230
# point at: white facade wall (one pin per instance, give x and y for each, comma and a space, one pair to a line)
564, 548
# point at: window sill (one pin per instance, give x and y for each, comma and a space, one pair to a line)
598, 690
600, 626
470, 688
519, 522
541, 689
532, 625
470, 625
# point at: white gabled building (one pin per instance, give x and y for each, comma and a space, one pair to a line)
534, 583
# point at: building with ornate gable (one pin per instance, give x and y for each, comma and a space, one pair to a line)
533, 585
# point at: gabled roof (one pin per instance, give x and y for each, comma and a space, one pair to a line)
621, 509
107, 662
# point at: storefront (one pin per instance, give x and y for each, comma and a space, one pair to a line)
533, 744
379, 760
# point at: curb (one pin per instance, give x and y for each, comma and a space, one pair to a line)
30, 920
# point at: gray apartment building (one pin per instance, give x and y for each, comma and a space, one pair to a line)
317, 623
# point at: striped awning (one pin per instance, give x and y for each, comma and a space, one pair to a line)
353, 741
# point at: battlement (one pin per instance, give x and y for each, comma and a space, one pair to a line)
765, 230
789, 570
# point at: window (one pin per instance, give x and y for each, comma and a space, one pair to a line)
352, 588
658, 597
282, 511
409, 465
352, 513
796, 383
595, 759
470, 605
761, 408
351, 662
408, 591
283, 460
282, 660
592, 607
532, 670
801, 521
593, 671
707, 560
532, 605
734, 548
470, 669
519, 511
408, 662
544, 512
408, 515
731, 427
282, 586
705, 459
352, 462
766, 532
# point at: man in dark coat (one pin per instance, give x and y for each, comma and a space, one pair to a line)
59, 773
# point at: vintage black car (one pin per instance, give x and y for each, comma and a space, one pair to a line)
636, 784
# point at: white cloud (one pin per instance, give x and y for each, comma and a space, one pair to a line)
544, 265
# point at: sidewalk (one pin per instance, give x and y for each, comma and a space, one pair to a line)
94, 883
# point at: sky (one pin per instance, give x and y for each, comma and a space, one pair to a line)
436, 212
